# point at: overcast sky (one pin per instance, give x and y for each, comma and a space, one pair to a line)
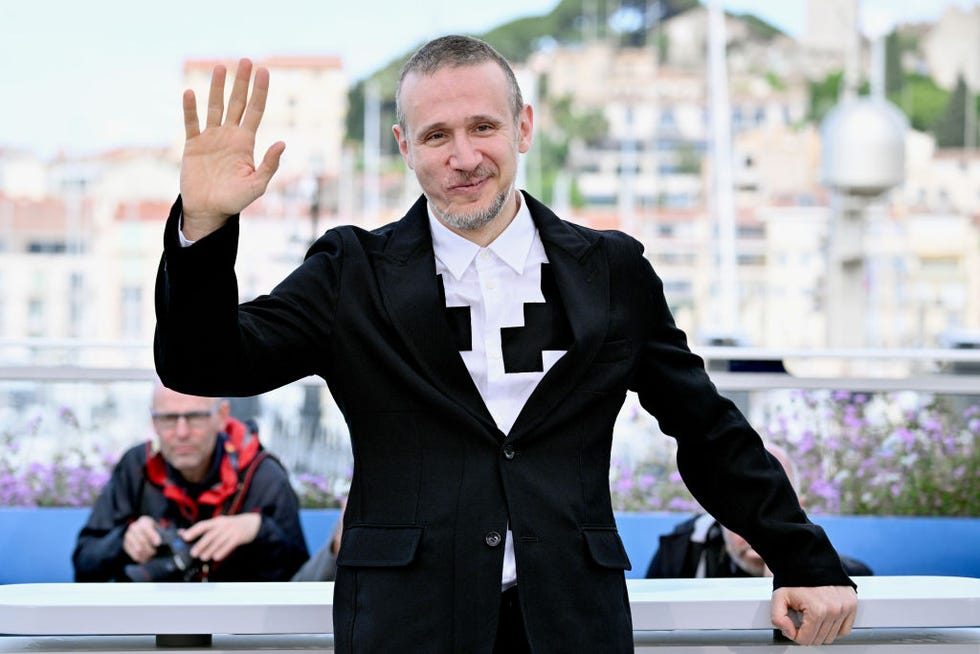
83, 76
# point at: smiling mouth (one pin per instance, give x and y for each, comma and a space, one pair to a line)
469, 185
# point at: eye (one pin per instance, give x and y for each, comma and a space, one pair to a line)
483, 128
433, 137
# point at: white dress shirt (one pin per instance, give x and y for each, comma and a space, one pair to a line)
495, 282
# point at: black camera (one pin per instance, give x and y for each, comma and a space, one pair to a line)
173, 561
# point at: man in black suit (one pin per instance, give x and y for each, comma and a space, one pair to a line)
480, 349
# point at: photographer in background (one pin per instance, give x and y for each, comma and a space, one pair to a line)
203, 502
702, 547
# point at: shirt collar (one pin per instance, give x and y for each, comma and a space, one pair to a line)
511, 246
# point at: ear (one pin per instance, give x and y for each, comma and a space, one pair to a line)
525, 127
402, 139
224, 411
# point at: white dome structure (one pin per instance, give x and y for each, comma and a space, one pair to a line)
863, 146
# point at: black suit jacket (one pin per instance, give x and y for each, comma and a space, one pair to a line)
435, 485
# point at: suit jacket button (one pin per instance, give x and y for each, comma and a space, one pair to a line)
493, 539
509, 452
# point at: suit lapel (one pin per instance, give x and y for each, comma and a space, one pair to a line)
582, 276
407, 278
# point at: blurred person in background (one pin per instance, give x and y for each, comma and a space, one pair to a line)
204, 501
702, 547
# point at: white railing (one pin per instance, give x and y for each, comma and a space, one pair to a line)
881, 369
689, 616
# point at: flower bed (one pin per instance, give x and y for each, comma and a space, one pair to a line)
887, 454
856, 454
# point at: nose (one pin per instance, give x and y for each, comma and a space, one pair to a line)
465, 156
182, 427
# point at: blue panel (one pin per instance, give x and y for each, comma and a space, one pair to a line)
36, 543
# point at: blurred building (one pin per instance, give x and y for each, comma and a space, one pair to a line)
306, 108
952, 47
80, 237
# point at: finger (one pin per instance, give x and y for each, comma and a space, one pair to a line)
270, 163
216, 546
833, 630
843, 620
239, 92
216, 96
151, 536
848, 623
786, 626
256, 104
779, 614
823, 631
202, 547
194, 531
192, 126
222, 547
807, 631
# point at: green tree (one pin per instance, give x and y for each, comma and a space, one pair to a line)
896, 45
921, 100
950, 128
569, 124
824, 94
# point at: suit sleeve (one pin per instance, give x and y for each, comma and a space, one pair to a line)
206, 343
721, 458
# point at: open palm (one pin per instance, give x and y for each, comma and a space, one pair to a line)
218, 175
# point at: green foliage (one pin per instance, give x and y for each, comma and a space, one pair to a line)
776, 83
759, 28
921, 100
553, 145
824, 94
917, 96
950, 127
689, 159
896, 45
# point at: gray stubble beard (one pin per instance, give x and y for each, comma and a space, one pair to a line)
473, 221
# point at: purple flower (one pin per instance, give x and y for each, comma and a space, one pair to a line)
680, 504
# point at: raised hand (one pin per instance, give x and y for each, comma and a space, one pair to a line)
218, 175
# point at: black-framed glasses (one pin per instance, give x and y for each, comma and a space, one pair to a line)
195, 419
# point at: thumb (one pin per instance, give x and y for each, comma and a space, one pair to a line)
270, 162
783, 617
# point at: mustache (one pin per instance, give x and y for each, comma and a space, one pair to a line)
478, 173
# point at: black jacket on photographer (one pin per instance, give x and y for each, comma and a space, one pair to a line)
243, 478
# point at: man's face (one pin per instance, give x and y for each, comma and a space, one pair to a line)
188, 428
744, 555
462, 141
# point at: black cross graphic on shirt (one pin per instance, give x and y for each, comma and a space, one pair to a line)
545, 327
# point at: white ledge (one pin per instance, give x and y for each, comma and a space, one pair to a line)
306, 608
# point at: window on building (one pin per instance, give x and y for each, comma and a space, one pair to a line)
46, 247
